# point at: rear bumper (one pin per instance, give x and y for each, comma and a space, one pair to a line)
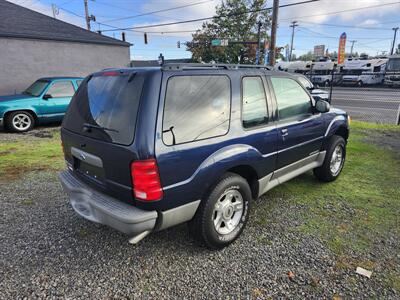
101, 208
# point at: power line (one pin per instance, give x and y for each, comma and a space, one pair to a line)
347, 26
158, 11
214, 17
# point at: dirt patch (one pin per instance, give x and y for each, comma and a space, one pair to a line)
40, 132
384, 139
17, 172
8, 151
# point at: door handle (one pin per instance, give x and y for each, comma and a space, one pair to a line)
284, 132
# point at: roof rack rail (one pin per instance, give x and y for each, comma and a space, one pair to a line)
200, 66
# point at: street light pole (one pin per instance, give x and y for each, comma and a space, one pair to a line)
294, 24
394, 39
352, 45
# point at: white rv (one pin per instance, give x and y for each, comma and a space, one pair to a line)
392, 77
321, 72
364, 71
298, 66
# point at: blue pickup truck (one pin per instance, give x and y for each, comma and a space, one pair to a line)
46, 100
150, 148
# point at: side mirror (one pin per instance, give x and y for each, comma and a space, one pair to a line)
322, 106
47, 96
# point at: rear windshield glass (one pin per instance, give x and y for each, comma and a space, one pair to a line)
105, 107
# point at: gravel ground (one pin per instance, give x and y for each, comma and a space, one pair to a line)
37, 133
47, 251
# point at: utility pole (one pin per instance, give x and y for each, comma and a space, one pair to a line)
87, 14
259, 24
352, 45
294, 25
274, 26
394, 39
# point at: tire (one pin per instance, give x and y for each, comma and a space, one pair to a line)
20, 121
327, 83
360, 83
330, 171
210, 223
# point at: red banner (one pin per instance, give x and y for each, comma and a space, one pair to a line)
342, 48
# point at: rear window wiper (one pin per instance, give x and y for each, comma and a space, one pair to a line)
87, 127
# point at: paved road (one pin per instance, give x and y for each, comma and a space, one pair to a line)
368, 104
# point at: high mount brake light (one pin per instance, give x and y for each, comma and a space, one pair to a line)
146, 180
110, 73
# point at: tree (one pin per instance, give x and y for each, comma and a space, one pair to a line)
236, 20
308, 56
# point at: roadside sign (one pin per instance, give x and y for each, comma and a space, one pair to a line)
215, 42
319, 50
342, 48
219, 42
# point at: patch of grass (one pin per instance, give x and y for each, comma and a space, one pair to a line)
27, 202
362, 204
17, 158
359, 125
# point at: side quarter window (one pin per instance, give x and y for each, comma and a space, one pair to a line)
61, 89
196, 108
254, 102
291, 98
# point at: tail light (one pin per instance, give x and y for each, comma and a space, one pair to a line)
146, 180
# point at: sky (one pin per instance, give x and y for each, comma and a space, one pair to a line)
320, 23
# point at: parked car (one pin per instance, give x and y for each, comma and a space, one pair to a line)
46, 100
150, 148
317, 94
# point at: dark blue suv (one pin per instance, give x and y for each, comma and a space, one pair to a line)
149, 148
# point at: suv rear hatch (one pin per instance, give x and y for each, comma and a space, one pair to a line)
98, 131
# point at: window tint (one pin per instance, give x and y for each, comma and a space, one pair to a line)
254, 110
36, 88
291, 98
110, 104
305, 82
78, 82
61, 89
196, 107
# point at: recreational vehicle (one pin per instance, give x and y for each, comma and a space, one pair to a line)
364, 72
392, 77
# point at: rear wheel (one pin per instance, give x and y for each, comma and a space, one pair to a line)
360, 83
327, 83
221, 218
20, 121
334, 160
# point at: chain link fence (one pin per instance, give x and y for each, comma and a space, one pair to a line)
366, 96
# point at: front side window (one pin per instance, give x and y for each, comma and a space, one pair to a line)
61, 89
291, 98
254, 103
196, 108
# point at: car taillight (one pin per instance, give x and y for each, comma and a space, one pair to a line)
146, 180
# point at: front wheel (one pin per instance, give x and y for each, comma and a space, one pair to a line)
334, 160
20, 121
222, 216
